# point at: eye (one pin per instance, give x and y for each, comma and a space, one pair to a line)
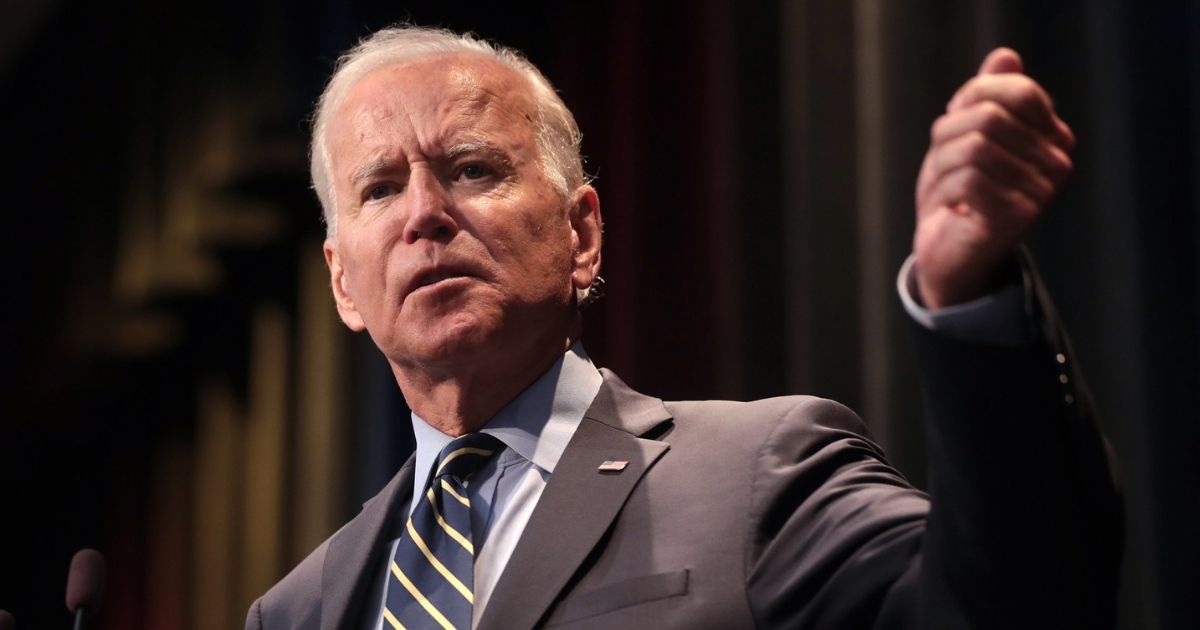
474, 171
380, 191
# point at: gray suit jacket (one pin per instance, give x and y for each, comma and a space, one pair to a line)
781, 513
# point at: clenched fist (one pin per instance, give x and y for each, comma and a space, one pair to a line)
996, 158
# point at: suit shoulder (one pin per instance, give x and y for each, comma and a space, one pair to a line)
800, 411
295, 601
776, 430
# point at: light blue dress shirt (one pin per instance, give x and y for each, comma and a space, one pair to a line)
537, 425
535, 428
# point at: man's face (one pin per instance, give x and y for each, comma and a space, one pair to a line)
451, 242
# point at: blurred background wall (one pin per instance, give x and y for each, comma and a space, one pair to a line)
177, 390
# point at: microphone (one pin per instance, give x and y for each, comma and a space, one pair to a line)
85, 585
6, 621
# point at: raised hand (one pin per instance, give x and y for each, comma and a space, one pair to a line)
996, 158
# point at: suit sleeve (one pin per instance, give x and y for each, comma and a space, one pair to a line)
1022, 527
254, 616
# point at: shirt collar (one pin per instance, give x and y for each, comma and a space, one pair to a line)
537, 424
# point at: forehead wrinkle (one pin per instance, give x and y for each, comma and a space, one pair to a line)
472, 95
468, 112
485, 86
484, 122
366, 123
381, 156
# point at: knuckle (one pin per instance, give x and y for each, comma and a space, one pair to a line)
938, 128
1062, 165
971, 179
991, 109
1045, 188
1030, 212
977, 146
1013, 207
922, 198
1027, 94
1024, 206
966, 89
995, 118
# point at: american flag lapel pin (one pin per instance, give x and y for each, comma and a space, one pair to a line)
612, 466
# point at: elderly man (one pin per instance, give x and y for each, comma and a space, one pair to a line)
544, 492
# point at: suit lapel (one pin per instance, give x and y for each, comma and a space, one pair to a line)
578, 505
352, 558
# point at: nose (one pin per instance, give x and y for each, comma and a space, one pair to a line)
429, 206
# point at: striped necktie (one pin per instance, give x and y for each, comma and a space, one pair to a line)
433, 570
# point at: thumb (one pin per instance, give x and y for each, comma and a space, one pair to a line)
1002, 60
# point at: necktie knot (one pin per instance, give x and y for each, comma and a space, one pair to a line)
432, 569
465, 455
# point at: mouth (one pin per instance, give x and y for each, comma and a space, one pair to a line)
432, 276
435, 277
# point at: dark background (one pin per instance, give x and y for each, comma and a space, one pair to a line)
178, 393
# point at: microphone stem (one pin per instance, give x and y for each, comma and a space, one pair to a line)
79, 615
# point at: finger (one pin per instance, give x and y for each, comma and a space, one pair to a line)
971, 191
1016, 93
976, 150
1023, 96
925, 179
1064, 136
1002, 60
999, 124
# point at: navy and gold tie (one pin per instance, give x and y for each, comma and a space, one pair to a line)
433, 570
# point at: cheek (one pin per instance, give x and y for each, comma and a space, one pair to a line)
550, 258
362, 272
526, 241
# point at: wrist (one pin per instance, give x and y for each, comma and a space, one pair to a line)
935, 292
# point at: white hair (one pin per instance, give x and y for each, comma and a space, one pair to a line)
558, 136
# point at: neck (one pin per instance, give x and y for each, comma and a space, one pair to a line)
464, 398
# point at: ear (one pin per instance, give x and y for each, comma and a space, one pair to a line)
586, 235
337, 279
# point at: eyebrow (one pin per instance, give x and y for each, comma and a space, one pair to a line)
463, 148
368, 171
375, 167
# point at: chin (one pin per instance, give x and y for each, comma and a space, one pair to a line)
446, 341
